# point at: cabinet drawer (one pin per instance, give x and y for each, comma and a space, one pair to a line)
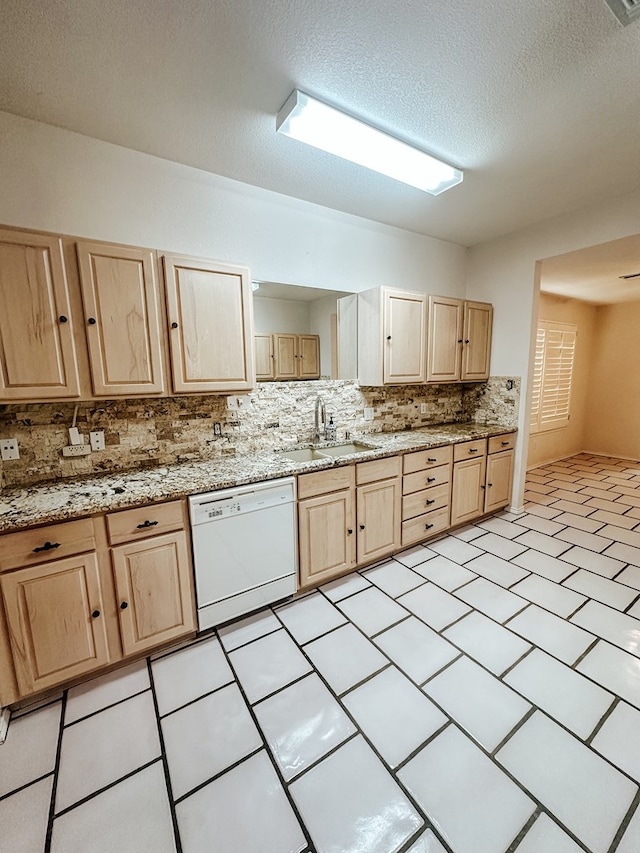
423, 459
426, 479
502, 442
30, 547
378, 469
130, 524
425, 501
423, 526
321, 482
469, 449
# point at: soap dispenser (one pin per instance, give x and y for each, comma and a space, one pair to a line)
330, 430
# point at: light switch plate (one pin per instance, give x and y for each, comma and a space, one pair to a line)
423, 408
232, 403
9, 449
96, 439
368, 413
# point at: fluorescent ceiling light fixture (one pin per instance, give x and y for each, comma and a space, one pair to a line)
308, 120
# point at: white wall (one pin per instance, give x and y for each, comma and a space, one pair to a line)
504, 272
55, 180
281, 315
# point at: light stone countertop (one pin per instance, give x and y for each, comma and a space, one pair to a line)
74, 498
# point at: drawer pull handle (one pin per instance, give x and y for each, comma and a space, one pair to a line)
146, 523
362, 527
124, 605
428, 526
431, 479
431, 459
95, 614
504, 443
473, 450
428, 503
350, 530
48, 546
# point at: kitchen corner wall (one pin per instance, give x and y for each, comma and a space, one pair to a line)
147, 432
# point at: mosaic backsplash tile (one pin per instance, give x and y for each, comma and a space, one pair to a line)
141, 433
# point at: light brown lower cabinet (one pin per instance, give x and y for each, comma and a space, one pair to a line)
378, 513
326, 536
482, 477
467, 494
499, 480
64, 618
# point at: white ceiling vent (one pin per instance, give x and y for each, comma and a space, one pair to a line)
626, 11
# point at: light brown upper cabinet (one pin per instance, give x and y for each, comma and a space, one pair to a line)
122, 320
287, 356
210, 321
285, 353
459, 337
264, 357
37, 349
391, 337
308, 357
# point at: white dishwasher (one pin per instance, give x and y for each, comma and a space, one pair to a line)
244, 548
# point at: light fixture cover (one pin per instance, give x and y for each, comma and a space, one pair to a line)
308, 120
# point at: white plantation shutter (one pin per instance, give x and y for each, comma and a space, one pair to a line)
552, 374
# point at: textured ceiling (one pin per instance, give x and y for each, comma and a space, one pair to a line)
538, 100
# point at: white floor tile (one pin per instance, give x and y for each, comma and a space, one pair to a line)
107, 690
477, 701
445, 573
582, 790
595, 586
301, 724
545, 836
630, 576
612, 518
394, 578
434, 606
544, 565
549, 595
619, 739
268, 664
615, 669
239, 633
499, 546
541, 525
597, 563
394, 714
413, 556
350, 802
188, 674
585, 540
490, 644
468, 533
455, 549
563, 693
345, 657
30, 748
579, 522
506, 529
621, 534
416, 649
541, 511
310, 617
617, 628
491, 599
244, 810
24, 818
625, 553
474, 806
204, 738
542, 542
630, 842
343, 587
103, 748
573, 508
427, 843
133, 815
551, 633
372, 610
496, 569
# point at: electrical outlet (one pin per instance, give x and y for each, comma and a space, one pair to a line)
368, 413
423, 408
9, 449
232, 403
76, 450
217, 428
96, 439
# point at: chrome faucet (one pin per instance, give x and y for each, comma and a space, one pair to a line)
320, 418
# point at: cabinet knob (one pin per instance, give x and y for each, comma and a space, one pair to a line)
48, 546
473, 450
362, 527
483, 487
124, 605
431, 479
490, 485
95, 614
174, 325
459, 340
388, 337
62, 318
428, 503
467, 341
349, 530
428, 526
91, 321
146, 523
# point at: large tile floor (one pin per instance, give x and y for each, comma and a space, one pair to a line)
477, 695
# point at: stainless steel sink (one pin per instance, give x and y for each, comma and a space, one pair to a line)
309, 454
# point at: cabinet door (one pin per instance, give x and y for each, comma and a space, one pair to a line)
404, 331
326, 536
37, 351
444, 357
308, 356
476, 354
467, 497
210, 319
264, 357
285, 351
120, 296
499, 479
153, 585
56, 621
379, 522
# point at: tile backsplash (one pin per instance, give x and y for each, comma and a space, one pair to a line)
148, 432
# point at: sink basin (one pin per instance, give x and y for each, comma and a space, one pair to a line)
309, 454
